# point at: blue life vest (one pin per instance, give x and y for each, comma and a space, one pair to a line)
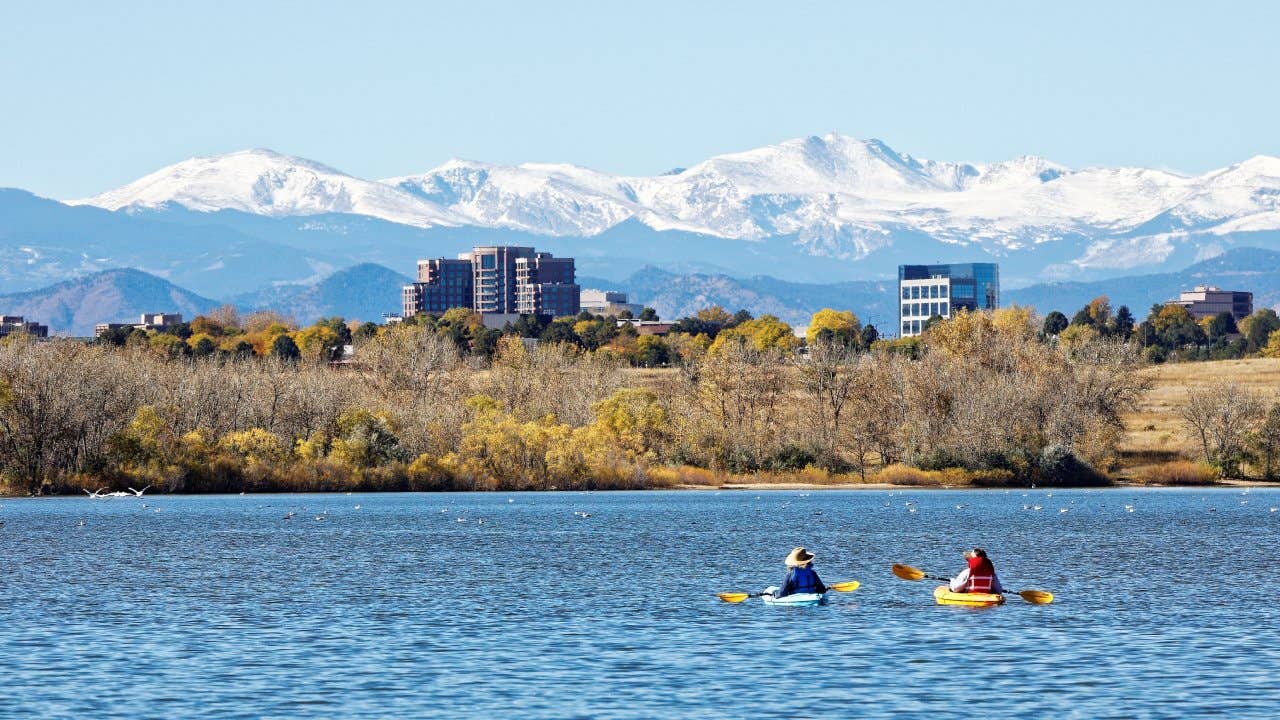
801, 580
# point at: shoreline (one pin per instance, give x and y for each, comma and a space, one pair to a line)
892, 486
734, 487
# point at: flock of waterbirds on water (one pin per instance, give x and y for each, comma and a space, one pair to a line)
911, 506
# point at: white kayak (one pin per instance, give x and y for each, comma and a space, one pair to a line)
796, 600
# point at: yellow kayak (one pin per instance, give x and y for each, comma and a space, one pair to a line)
944, 596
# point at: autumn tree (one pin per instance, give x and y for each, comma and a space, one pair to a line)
839, 326
1222, 416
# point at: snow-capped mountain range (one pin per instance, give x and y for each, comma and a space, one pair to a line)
833, 197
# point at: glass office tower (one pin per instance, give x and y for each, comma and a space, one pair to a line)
926, 291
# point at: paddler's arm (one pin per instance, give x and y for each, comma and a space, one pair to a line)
959, 582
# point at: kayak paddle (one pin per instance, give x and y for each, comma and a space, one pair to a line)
906, 572
737, 597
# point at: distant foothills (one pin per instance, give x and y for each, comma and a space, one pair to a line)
368, 291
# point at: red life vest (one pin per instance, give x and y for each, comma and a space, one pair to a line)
982, 575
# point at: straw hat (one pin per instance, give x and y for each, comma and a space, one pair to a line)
799, 558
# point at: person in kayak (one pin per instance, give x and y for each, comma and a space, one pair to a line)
979, 577
801, 577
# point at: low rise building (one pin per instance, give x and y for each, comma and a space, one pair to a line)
648, 327
14, 324
607, 302
149, 321
1206, 301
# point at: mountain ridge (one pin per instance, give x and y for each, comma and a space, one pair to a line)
834, 197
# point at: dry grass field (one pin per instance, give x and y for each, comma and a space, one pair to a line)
1155, 434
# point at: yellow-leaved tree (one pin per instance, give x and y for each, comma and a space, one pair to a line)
841, 325
766, 332
1272, 349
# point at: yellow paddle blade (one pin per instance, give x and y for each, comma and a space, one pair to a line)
847, 586
1037, 597
906, 572
733, 597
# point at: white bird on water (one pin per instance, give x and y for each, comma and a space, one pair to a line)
289, 515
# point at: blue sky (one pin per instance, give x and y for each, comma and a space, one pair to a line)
97, 94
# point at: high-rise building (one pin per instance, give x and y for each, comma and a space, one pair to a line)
495, 280
545, 286
1206, 301
928, 290
443, 284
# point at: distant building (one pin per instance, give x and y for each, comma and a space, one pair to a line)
1206, 301
148, 321
497, 280
443, 284
545, 286
648, 327
607, 302
928, 290
12, 324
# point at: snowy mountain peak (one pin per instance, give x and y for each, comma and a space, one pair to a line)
828, 195
265, 182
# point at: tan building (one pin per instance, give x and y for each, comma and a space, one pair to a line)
607, 302
1206, 301
149, 321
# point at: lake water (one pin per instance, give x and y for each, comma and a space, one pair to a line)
410, 606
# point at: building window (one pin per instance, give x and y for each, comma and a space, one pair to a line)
942, 291
915, 326
933, 291
906, 327
906, 293
915, 292
906, 308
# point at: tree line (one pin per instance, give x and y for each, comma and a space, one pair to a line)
1170, 333
444, 403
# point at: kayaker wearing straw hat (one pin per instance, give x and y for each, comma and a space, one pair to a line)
979, 577
801, 577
